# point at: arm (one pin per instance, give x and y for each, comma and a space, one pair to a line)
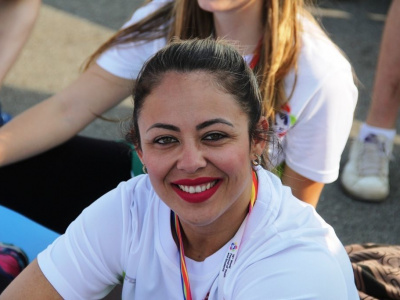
17, 18
30, 284
303, 188
63, 115
87, 261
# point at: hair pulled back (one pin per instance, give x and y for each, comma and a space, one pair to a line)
217, 58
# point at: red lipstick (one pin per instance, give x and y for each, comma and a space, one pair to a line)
200, 196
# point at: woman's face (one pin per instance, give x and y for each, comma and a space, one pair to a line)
196, 147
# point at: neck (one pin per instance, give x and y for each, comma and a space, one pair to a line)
243, 25
202, 241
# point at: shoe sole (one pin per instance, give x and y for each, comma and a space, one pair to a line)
361, 199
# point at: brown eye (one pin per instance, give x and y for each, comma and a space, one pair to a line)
165, 140
214, 136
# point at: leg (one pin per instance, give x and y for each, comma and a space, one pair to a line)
54, 187
366, 174
17, 18
386, 93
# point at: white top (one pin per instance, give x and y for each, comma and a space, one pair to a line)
314, 127
287, 251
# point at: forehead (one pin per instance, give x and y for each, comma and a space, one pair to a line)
196, 95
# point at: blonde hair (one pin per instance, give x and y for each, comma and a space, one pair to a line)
184, 19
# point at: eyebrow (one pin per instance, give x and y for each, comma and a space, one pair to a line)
164, 126
198, 127
213, 121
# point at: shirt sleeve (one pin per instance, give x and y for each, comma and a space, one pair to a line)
315, 143
87, 261
321, 107
126, 60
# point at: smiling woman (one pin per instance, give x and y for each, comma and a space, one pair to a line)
207, 221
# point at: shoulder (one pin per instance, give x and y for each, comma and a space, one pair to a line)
97, 246
146, 10
125, 60
318, 51
280, 214
286, 241
120, 211
271, 191
320, 62
136, 193
304, 270
277, 211
130, 189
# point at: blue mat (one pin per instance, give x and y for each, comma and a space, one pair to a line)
24, 233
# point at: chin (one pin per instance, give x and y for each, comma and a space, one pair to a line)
212, 6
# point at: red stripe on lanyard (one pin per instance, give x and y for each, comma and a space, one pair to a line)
256, 56
187, 294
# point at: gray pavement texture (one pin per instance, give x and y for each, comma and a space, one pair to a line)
355, 25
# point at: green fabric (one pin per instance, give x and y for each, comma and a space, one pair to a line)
278, 171
136, 164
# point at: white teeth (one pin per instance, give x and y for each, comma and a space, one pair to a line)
197, 188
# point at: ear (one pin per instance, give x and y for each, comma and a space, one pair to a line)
259, 143
140, 154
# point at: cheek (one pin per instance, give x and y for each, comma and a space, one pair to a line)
159, 166
158, 171
233, 161
156, 167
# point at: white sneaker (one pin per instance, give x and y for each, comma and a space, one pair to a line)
366, 174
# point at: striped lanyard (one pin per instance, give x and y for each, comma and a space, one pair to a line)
256, 56
232, 252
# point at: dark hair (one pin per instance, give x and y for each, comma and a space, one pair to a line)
219, 59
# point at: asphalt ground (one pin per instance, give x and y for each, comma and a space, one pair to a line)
68, 31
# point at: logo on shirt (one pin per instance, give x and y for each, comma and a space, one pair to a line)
233, 246
283, 121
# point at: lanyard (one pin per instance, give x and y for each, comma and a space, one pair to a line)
231, 254
256, 56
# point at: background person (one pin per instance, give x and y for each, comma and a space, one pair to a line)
366, 174
198, 128
17, 18
305, 81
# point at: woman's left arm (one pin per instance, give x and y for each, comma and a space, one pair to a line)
303, 188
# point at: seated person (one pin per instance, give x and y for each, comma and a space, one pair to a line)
208, 221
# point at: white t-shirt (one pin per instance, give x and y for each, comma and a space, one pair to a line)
287, 251
313, 127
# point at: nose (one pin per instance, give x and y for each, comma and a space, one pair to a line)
191, 158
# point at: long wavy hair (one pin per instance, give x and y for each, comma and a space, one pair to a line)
185, 19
